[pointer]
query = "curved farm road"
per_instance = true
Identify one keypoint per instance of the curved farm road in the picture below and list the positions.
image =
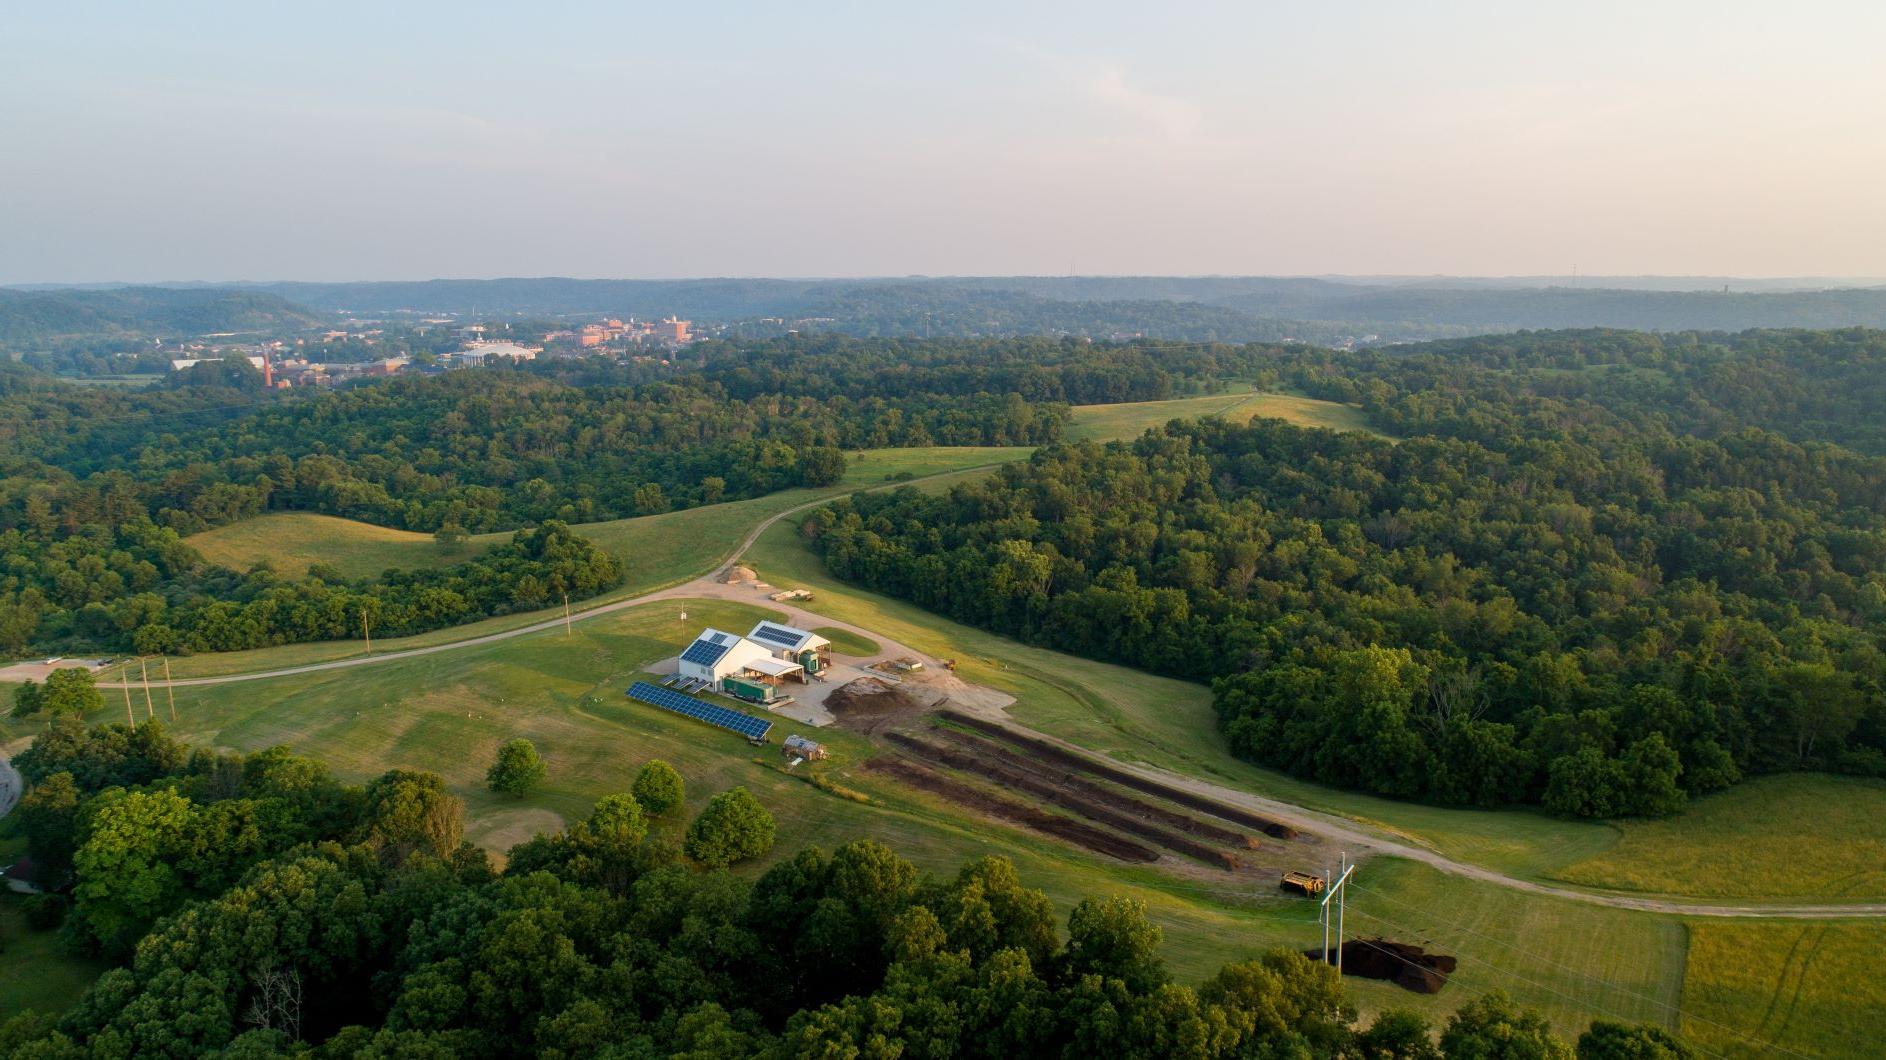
(1358, 838)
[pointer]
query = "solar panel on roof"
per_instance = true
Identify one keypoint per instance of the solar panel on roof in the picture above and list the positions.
(668, 699)
(704, 652)
(780, 636)
(717, 638)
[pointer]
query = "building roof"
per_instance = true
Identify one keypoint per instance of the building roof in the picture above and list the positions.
(778, 637)
(709, 647)
(772, 667)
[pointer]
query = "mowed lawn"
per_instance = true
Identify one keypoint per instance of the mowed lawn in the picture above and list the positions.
(1809, 989)
(1130, 419)
(1800, 835)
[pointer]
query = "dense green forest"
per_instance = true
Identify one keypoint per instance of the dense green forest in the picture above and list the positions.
(256, 907)
(1598, 597)
(98, 486)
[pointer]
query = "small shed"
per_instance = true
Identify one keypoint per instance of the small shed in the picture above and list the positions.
(797, 746)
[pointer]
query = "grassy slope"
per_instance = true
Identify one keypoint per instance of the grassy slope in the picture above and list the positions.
(845, 642)
(1798, 835)
(291, 542)
(1128, 420)
(1812, 989)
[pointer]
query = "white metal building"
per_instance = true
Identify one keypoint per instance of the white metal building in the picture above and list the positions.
(716, 655)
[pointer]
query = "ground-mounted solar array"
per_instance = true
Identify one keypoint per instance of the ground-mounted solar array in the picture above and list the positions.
(668, 699)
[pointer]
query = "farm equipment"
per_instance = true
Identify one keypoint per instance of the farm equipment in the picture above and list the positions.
(1303, 883)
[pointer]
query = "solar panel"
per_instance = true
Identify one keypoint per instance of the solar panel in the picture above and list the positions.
(704, 652)
(668, 699)
(782, 637)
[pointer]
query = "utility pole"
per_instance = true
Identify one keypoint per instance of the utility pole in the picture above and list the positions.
(150, 711)
(125, 684)
(566, 614)
(364, 631)
(170, 691)
(1340, 893)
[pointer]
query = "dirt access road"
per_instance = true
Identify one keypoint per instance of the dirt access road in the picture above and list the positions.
(1360, 840)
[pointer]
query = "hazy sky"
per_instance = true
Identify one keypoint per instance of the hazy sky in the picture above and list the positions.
(259, 141)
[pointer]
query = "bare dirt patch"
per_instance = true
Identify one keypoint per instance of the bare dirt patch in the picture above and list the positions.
(1053, 752)
(989, 803)
(871, 704)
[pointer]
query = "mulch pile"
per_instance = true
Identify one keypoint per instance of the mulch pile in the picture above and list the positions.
(1409, 967)
(868, 704)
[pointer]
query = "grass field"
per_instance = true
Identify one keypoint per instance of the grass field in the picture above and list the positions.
(845, 642)
(35, 972)
(1800, 835)
(1129, 420)
(291, 542)
(1758, 989)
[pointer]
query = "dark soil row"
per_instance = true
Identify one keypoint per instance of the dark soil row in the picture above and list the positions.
(1099, 793)
(1407, 966)
(1065, 828)
(1045, 749)
(1017, 780)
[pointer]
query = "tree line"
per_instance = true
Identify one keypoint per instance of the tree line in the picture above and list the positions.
(1527, 601)
(255, 907)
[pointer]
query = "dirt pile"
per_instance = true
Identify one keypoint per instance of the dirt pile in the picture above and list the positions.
(1407, 966)
(736, 574)
(988, 802)
(868, 704)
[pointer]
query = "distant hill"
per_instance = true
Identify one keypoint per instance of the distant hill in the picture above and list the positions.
(35, 317)
(1329, 310)
(1566, 307)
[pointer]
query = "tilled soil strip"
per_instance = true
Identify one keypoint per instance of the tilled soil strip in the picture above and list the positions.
(1050, 792)
(1276, 829)
(1060, 774)
(1064, 828)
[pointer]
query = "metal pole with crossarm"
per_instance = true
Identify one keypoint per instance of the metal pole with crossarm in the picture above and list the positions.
(1339, 894)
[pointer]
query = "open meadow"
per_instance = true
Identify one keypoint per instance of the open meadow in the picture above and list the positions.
(1130, 419)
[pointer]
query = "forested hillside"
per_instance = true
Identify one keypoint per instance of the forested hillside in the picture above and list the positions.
(1565, 599)
(257, 907)
(30, 319)
(98, 487)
